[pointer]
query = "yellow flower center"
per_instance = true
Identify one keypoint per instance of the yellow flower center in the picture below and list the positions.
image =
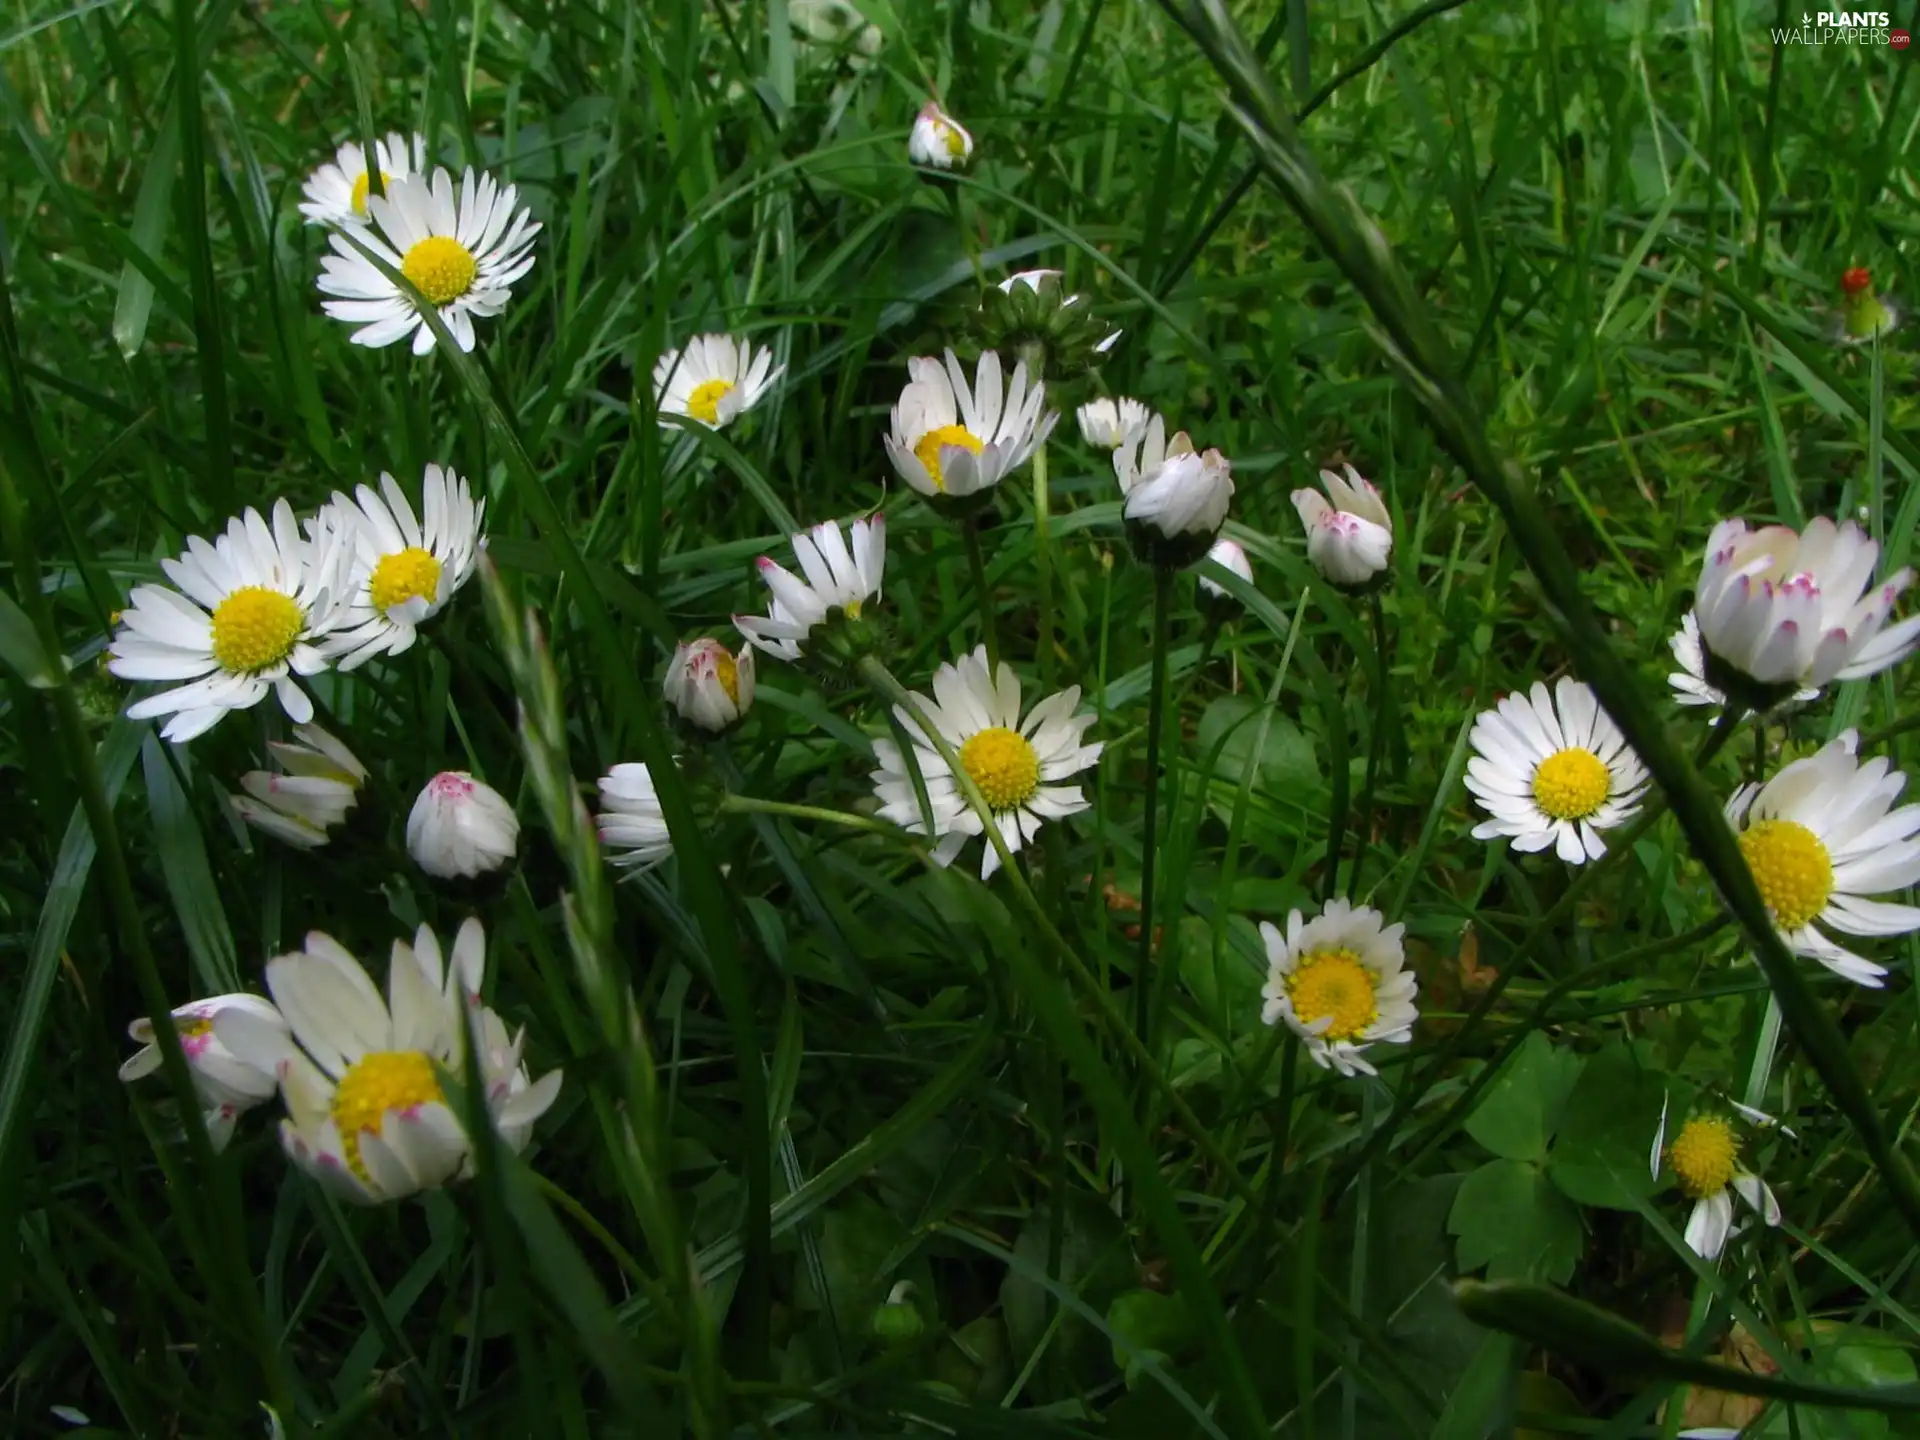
(727, 671)
(1791, 867)
(1703, 1155)
(1333, 984)
(1571, 784)
(955, 142)
(192, 1029)
(704, 402)
(409, 574)
(1003, 765)
(929, 449)
(441, 268)
(253, 628)
(375, 1085)
(363, 185)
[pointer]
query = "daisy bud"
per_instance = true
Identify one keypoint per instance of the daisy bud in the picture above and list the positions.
(1175, 498)
(939, 140)
(461, 827)
(318, 784)
(1229, 555)
(1350, 540)
(226, 1084)
(709, 688)
(1863, 315)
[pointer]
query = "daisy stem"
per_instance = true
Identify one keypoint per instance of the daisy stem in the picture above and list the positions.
(753, 805)
(1043, 565)
(977, 565)
(1156, 721)
(1363, 815)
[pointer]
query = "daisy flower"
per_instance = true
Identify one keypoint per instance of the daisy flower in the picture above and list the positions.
(1821, 838)
(843, 573)
(405, 569)
(708, 687)
(1705, 1158)
(633, 828)
(337, 192)
(715, 379)
(461, 827)
(318, 784)
(1171, 492)
(1015, 764)
(1339, 982)
(949, 440)
(939, 140)
(226, 1084)
(248, 614)
(462, 251)
(366, 1114)
(1689, 682)
(1043, 282)
(1797, 610)
(1553, 772)
(1350, 540)
(1109, 424)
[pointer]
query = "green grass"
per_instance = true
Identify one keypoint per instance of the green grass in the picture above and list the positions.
(805, 1066)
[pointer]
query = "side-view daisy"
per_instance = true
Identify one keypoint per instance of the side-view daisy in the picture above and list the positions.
(227, 1085)
(405, 569)
(1705, 1158)
(937, 139)
(714, 379)
(1041, 281)
(365, 1112)
(1340, 982)
(1553, 771)
(1109, 424)
(949, 439)
(707, 686)
(1171, 491)
(337, 192)
(633, 828)
(1015, 764)
(1689, 682)
(462, 251)
(317, 786)
(842, 574)
(1821, 837)
(249, 614)
(1350, 539)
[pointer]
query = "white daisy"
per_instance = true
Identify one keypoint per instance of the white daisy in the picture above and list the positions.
(366, 1114)
(1822, 837)
(1705, 1157)
(708, 687)
(1689, 682)
(715, 379)
(843, 573)
(1229, 555)
(1109, 424)
(1339, 982)
(248, 615)
(1799, 610)
(1038, 282)
(1170, 489)
(939, 140)
(633, 828)
(461, 827)
(226, 1084)
(1350, 540)
(405, 570)
(318, 784)
(1015, 764)
(1553, 772)
(462, 251)
(337, 192)
(947, 439)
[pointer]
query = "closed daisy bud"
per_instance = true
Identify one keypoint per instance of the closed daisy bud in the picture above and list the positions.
(461, 827)
(227, 1084)
(1705, 1158)
(1350, 540)
(318, 784)
(939, 140)
(1175, 499)
(1339, 982)
(708, 687)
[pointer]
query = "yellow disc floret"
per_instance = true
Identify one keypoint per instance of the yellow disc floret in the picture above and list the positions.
(955, 142)
(727, 671)
(441, 268)
(929, 449)
(378, 1083)
(254, 628)
(365, 184)
(1704, 1155)
(1791, 867)
(409, 574)
(1003, 765)
(704, 403)
(1571, 784)
(1334, 985)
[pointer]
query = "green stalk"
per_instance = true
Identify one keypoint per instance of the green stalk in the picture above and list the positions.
(1149, 834)
(1363, 817)
(754, 805)
(1043, 562)
(977, 567)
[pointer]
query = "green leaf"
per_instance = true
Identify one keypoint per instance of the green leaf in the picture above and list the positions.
(1150, 1320)
(183, 859)
(1606, 1130)
(1284, 761)
(21, 650)
(1516, 1120)
(1512, 1221)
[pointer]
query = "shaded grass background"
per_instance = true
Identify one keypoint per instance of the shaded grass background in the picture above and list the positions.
(1628, 218)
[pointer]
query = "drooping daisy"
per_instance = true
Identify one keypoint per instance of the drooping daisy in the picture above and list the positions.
(366, 1114)
(460, 827)
(227, 1085)
(1339, 982)
(951, 440)
(318, 784)
(633, 828)
(1553, 772)
(708, 687)
(1350, 540)
(1109, 424)
(1689, 682)
(715, 379)
(462, 251)
(337, 192)
(1045, 282)
(250, 613)
(939, 140)
(1174, 497)
(1016, 765)
(843, 573)
(1791, 611)
(1705, 1157)
(405, 570)
(1822, 837)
